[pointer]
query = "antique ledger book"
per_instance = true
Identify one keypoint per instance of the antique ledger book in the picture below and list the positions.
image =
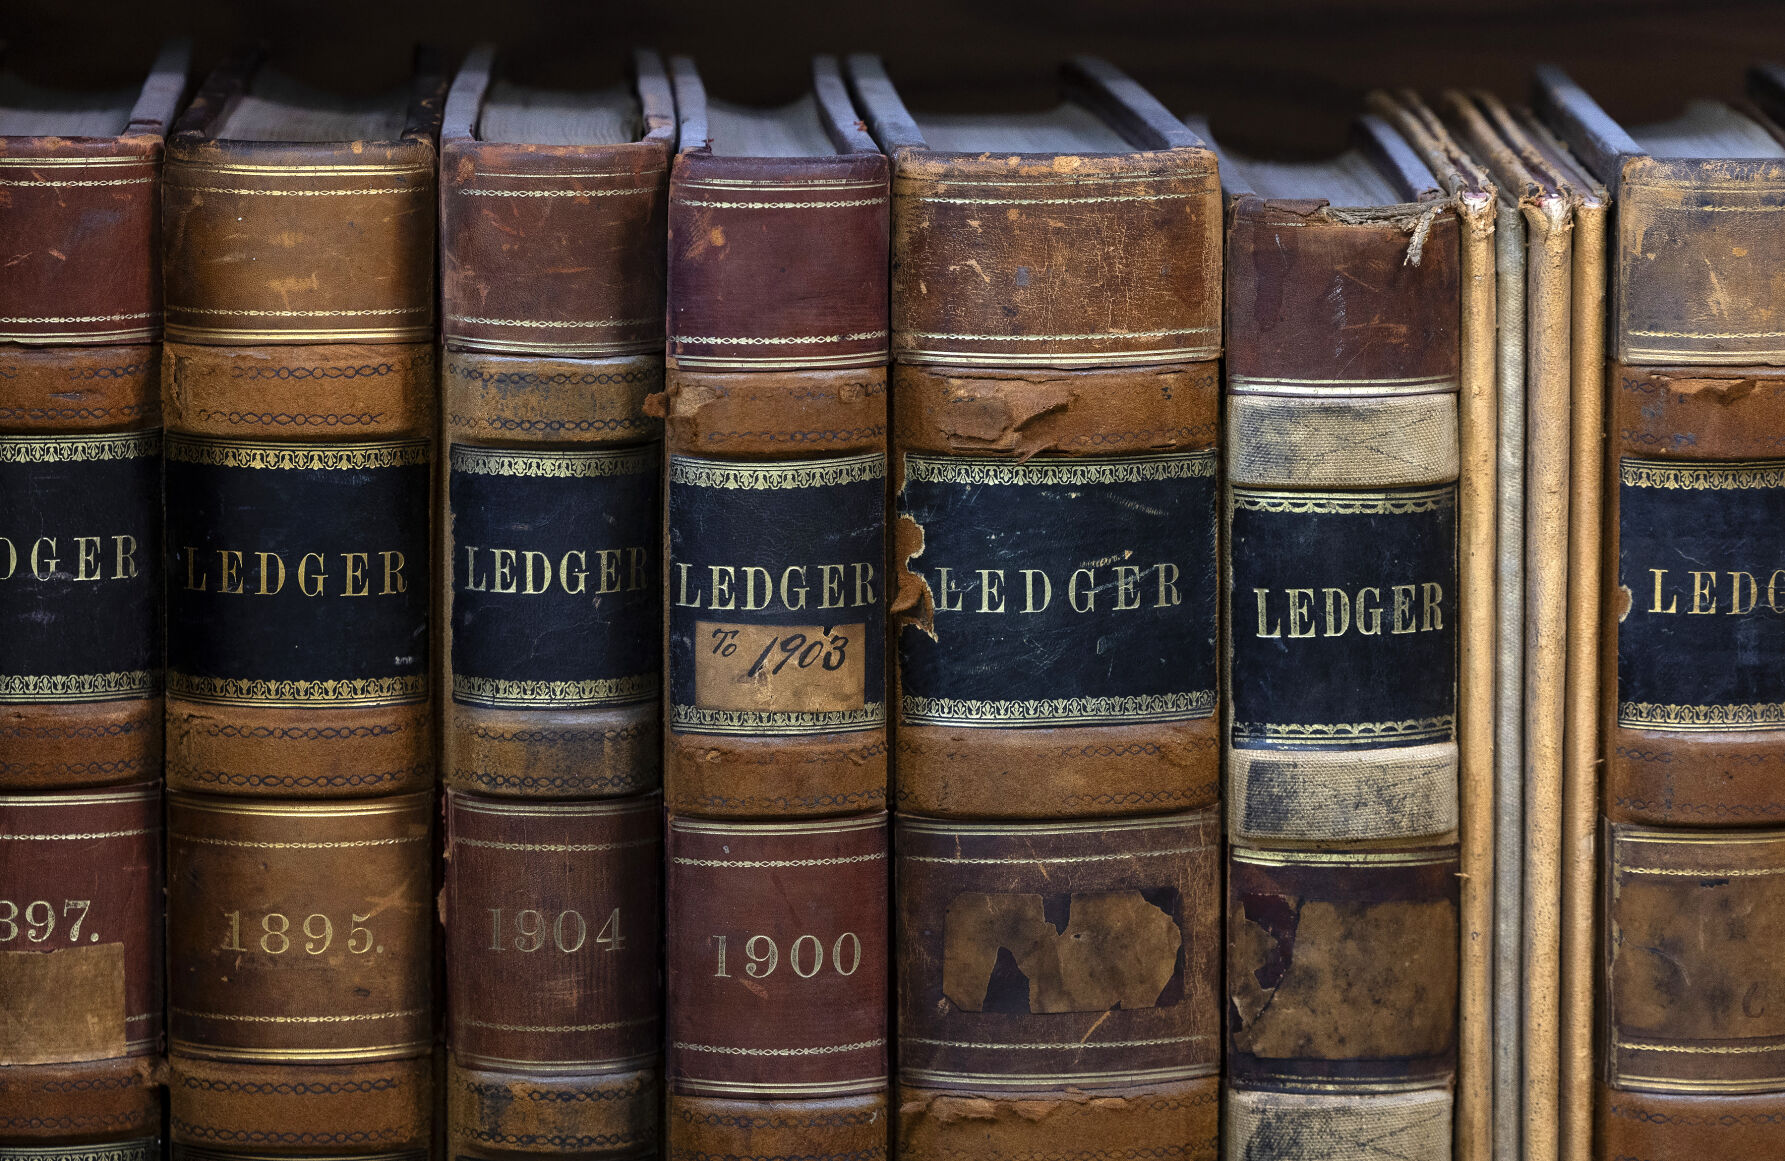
(1693, 696)
(1343, 459)
(297, 386)
(552, 229)
(1055, 330)
(775, 746)
(776, 416)
(1564, 211)
(81, 988)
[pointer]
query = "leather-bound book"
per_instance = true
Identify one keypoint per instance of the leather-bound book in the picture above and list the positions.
(80, 440)
(775, 770)
(1056, 321)
(1056, 324)
(1693, 697)
(298, 387)
(81, 963)
(1343, 459)
(552, 223)
(552, 234)
(776, 411)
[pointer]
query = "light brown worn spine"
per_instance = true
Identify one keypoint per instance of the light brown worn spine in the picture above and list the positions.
(1548, 479)
(1580, 775)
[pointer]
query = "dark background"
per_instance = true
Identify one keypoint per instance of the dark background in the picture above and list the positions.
(1273, 73)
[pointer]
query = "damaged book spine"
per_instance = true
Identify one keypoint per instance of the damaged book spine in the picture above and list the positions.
(298, 387)
(552, 297)
(1054, 474)
(775, 764)
(1342, 470)
(81, 948)
(1692, 696)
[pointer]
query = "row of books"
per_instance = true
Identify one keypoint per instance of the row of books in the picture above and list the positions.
(1027, 636)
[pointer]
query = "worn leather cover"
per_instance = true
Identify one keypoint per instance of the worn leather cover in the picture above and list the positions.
(300, 941)
(80, 966)
(564, 895)
(1058, 986)
(299, 242)
(1345, 331)
(344, 433)
(80, 655)
(553, 299)
(553, 249)
(80, 225)
(775, 411)
(1053, 465)
(1691, 712)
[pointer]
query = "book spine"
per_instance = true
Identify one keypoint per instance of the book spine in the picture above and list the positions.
(1693, 703)
(299, 394)
(1058, 986)
(567, 893)
(1055, 481)
(776, 427)
(81, 970)
(81, 232)
(1342, 468)
(80, 650)
(80, 567)
(299, 939)
(552, 318)
(775, 411)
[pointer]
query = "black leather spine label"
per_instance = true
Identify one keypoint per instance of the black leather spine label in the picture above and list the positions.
(1342, 618)
(80, 579)
(297, 573)
(777, 598)
(1701, 570)
(555, 578)
(1065, 591)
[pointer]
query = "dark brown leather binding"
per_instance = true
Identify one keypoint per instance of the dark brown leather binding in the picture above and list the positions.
(81, 960)
(81, 968)
(1343, 369)
(553, 299)
(552, 236)
(1020, 383)
(563, 896)
(776, 425)
(298, 389)
(792, 917)
(1691, 701)
(300, 938)
(80, 314)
